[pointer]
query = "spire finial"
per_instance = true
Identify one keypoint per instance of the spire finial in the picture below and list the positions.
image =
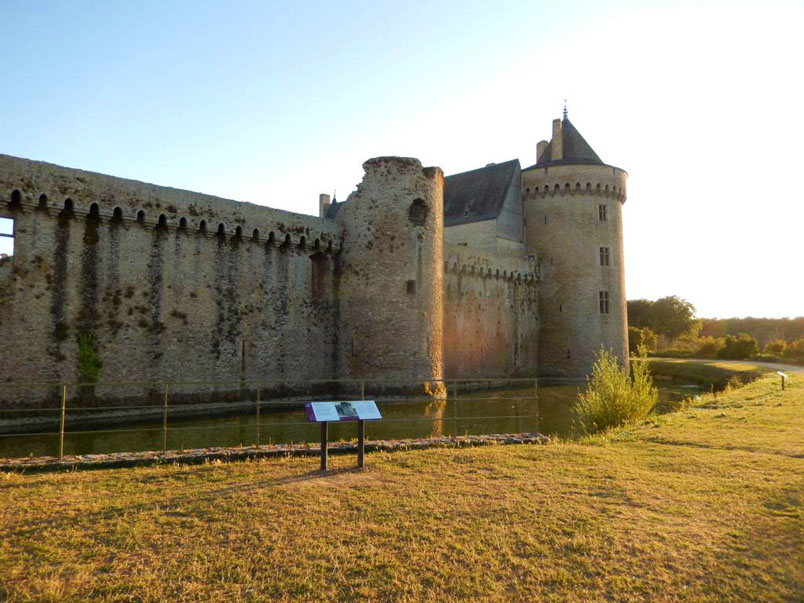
(565, 108)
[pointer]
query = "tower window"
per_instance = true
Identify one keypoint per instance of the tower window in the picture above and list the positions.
(6, 239)
(603, 213)
(603, 297)
(604, 256)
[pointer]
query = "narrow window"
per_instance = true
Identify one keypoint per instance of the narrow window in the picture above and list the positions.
(417, 212)
(183, 223)
(255, 236)
(602, 213)
(94, 212)
(202, 227)
(239, 233)
(117, 215)
(141, 217)
(161, 224)
(411, 286)
(67, 212)
(271, 238)
(302, 243)
(545, 218)
(604, 256)
(221, 231)
(42, 203)
(16, 199)
(6, 241)
(603, 297)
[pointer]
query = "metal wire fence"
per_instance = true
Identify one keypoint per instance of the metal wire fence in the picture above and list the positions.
(42, 418)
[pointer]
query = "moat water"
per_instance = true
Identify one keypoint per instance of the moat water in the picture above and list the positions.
(498, 411)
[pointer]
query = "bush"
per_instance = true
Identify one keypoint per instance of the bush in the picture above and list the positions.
(641, 338)
(613, 397)
(775, 347)
(795, 349)
(709, 346)
(738, 347)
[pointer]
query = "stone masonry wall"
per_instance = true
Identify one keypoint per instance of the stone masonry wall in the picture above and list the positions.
(391, 294)
(171, 296)
(565, 229)
(491, 318)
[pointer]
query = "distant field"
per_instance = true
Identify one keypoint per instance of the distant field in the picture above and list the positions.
(704, 504)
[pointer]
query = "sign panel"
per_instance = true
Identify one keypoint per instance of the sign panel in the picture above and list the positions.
(367, 410)
(319, 412)
(356, 410)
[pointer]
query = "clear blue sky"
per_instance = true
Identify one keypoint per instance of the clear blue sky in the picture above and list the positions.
(273, 103)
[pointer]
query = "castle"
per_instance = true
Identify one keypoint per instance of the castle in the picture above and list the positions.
(499, 271)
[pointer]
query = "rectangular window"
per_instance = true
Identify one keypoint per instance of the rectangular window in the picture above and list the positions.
(602, 213)
(6, 239)
(604, 256)
(604, 302)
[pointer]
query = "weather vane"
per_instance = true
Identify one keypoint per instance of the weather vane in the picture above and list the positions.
(565, 108)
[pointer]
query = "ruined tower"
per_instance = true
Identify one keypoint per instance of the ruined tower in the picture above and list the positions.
(572, 202)
(391, 275)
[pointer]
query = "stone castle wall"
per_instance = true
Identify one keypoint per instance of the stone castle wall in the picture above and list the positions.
(562, 209)
(167, 297)
(391, 292)
(491, 318)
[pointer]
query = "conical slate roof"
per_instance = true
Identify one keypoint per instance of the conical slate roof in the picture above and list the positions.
(576, 149)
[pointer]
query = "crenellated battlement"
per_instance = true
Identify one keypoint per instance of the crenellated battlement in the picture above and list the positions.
(459, 259)
(27, 185)
(565, 188)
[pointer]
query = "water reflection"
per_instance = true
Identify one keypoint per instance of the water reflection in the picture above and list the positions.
(484, 412)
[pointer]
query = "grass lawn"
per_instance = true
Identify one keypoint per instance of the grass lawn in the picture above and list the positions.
(703, 504)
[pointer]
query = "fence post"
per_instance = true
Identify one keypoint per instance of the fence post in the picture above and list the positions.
(536, 397)
(455, 409)
(164, 418)
(259, 389)
(61, 422)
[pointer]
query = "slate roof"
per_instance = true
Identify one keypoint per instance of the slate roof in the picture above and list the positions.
(576, 149)
(478, 194)
(333, 209)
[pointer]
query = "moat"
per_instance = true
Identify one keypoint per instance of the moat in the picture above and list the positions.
(498, 411)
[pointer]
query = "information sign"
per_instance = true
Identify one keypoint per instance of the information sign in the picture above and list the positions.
(319, 412)
(330, 412)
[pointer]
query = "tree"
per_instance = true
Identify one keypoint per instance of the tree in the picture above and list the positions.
(738, 347)
(671, 316)
(775, 347)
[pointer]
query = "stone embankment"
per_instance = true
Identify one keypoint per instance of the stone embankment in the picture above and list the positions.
(241, 453)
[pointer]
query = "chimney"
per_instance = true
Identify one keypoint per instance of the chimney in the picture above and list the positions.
(323, 205)
(540, 147)
(557, 144)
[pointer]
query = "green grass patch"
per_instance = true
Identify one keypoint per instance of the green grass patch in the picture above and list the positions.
(706, 504)
(711, 375)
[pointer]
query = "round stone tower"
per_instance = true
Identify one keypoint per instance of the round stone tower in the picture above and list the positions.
(573, 211)
(391, 274)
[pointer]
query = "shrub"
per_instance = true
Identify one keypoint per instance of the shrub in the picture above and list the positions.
(709, 346)
(641, 338)
(775, 347)
(795, 349)
(614, 397)
(738, 347)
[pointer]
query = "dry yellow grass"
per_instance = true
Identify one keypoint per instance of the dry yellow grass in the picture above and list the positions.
(704, 504)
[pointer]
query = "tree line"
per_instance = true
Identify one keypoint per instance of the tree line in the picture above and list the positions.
(669, 326)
